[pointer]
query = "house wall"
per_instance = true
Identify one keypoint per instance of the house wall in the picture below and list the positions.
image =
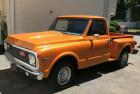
(113, 7)
(0, 20)
(36, 15)
(0, 5)
(5, 12)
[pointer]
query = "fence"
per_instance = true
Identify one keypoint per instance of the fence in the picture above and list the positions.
(131, 24)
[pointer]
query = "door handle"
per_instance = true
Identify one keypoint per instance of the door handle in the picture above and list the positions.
(91, 41)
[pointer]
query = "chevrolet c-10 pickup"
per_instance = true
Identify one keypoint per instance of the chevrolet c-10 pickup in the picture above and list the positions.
(71, 43)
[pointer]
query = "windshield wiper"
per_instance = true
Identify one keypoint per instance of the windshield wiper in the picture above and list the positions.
(64, 32)
(70, 33)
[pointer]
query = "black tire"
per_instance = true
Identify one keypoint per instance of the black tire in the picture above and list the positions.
(53, 79)
(123, 59)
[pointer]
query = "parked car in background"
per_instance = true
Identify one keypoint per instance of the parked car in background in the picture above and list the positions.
(123, 29)
(115, 26)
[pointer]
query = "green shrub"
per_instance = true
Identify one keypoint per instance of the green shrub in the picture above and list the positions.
(115, 24)
(112, 29)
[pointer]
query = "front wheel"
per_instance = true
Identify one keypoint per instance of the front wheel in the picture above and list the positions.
(123, 59)
(62, 76)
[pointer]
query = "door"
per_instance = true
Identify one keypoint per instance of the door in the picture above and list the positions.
(100, 42)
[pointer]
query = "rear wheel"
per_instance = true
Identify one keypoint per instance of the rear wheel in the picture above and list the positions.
(123, 59)
(62, 75)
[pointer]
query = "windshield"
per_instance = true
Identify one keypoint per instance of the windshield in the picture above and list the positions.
(70, 26)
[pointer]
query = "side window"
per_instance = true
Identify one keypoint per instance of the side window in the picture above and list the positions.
(97, 27)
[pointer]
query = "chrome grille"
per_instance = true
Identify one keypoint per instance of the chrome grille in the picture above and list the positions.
(15, 52)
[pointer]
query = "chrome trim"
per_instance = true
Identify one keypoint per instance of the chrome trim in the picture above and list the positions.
(33, 73)
(26, 65)
(37, 75)
(134, 51)
(16, 61)
(24, 49)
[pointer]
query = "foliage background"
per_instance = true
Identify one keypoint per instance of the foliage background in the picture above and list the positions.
(124, 5)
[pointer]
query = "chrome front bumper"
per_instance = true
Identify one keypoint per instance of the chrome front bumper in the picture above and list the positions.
(134, 51)
(28, 69)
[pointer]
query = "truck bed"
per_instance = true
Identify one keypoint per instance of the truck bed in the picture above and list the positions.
(119, 35)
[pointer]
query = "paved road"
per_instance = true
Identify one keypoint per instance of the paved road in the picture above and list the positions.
(102, 79)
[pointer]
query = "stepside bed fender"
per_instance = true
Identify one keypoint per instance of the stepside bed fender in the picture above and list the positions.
(124, 46)
(118, 46)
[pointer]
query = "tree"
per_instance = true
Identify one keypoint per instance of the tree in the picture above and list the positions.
(135, 7)
(135, 15)
(124, 5)
(121, 10)
(132, 3)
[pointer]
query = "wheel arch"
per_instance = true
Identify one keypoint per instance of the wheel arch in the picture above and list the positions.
(64, 56)
(125, 47)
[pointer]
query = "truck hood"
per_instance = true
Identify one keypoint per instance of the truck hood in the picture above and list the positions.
(32, 40)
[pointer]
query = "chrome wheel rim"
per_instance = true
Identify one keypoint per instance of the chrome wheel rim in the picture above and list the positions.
(124, 59)
(64, 75)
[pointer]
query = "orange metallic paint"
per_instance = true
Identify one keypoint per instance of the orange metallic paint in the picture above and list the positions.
(87, 50)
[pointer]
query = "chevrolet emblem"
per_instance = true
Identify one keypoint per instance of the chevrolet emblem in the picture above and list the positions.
(22, 53)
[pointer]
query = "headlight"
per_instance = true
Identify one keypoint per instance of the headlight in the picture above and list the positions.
(32, 60)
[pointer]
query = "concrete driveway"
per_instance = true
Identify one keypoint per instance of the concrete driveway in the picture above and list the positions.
(102, 79)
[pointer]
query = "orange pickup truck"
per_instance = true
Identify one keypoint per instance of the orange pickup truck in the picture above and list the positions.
(71, 43)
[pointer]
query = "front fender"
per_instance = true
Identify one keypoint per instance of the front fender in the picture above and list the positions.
(58, 57)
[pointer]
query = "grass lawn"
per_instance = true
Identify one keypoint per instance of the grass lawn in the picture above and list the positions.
(134, 30)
